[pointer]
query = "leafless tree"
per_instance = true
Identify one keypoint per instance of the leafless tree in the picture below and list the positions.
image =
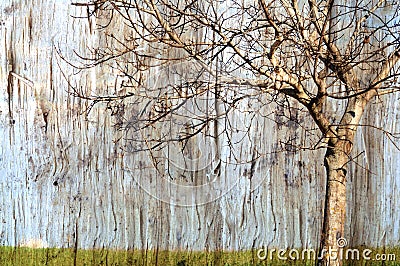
(303, 55)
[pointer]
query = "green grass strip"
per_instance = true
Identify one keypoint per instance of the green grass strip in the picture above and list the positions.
(64, 256)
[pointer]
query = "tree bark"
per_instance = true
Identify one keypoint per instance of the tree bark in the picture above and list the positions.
(335, 204)
(336, 160)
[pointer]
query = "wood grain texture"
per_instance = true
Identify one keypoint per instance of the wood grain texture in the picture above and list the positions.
(66, 182)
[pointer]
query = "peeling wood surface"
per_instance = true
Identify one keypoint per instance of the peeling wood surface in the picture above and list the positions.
(66, 182)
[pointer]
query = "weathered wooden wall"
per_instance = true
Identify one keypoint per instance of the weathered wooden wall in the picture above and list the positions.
(65, 181)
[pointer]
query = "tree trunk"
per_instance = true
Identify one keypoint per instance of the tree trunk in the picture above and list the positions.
(332, 242)
(336, 160)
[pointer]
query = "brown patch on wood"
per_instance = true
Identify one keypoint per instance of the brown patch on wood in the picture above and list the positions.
(348, 146)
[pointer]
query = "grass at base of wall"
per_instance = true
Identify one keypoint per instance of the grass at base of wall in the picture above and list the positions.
(63, 256)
